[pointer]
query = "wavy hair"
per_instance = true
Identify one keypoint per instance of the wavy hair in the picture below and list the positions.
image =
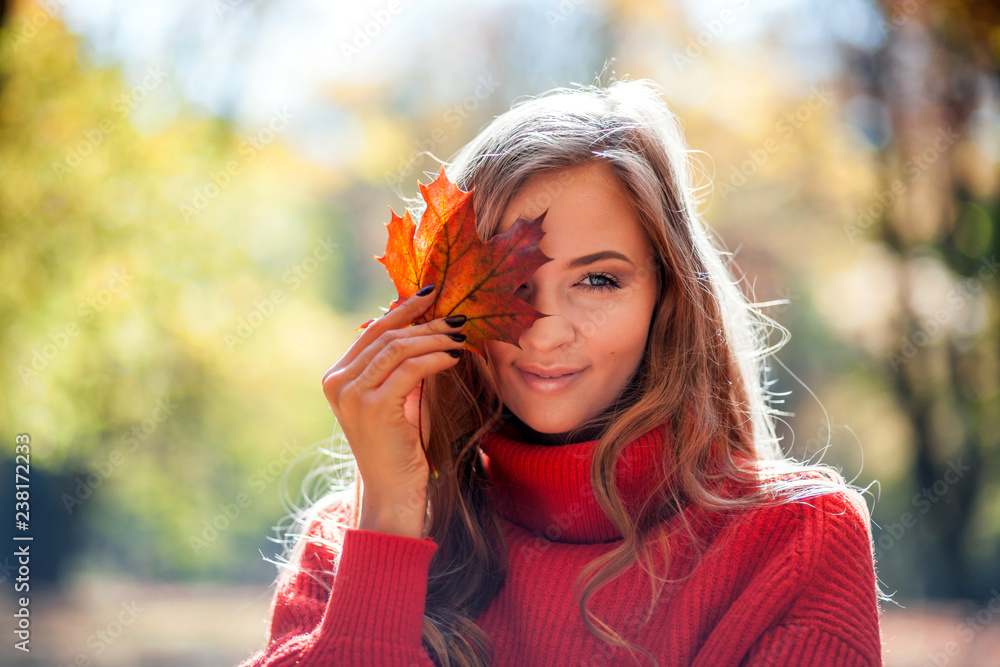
(702, 373)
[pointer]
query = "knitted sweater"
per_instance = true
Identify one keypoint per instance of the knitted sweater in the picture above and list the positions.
(787, 584)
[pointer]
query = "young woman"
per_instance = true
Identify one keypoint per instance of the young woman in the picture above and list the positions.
(610, 492)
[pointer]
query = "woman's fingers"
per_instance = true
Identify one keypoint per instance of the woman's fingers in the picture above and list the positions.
(374, 364)
(410, 372)
(392, 350)
(398, 317)
(378, 360)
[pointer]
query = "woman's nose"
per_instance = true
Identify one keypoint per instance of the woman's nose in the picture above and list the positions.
(548, 333)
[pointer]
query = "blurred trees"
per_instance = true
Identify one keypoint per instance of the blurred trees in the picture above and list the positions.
(937, 212)
(147, 253)
(868, 197)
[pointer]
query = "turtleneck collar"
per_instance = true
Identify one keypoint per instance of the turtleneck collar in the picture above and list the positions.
(546, 488)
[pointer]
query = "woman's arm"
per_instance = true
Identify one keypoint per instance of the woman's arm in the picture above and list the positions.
(835, 619)
(374, 615)
(790, 644)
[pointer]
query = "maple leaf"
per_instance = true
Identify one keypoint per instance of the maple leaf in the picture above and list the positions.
(473, 278)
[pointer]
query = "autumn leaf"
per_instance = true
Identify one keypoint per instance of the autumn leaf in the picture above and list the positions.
(474, 278)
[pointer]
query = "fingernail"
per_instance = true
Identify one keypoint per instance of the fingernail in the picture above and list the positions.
(458, 338)
(454, 353)
(426, 290)
(455, 320)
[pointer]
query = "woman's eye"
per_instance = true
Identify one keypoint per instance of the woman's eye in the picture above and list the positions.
(599, 281)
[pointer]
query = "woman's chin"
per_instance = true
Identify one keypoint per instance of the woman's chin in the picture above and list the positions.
(548, 425)
(548, 430)
(558, 428)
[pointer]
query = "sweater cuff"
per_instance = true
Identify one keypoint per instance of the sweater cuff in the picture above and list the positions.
(380, 587)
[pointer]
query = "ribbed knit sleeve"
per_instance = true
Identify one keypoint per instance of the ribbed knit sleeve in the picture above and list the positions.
(834, 619)
(372, 616)
(790, 644)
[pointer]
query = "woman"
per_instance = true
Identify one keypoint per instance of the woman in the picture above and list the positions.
(610, 491)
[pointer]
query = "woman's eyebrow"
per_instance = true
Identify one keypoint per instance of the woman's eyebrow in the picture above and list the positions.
(596, 257)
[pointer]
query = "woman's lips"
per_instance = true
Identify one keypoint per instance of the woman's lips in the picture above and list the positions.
(549, 382)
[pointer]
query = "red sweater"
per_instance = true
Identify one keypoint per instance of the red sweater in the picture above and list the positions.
(791, 584)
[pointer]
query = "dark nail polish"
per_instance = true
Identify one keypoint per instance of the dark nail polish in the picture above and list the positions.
(426, 290)
(458, 338)
(454, 353)
(455, 320)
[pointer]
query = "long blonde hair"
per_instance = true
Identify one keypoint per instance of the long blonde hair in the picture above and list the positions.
(702, 371)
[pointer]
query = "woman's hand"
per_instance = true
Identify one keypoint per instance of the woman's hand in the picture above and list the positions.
(374, 391)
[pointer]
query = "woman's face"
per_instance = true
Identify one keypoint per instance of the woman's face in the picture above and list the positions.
(598, 292)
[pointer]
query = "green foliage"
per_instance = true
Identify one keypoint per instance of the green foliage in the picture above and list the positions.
(160, 354)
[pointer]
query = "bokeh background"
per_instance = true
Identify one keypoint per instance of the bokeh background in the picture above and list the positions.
(191, 194)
